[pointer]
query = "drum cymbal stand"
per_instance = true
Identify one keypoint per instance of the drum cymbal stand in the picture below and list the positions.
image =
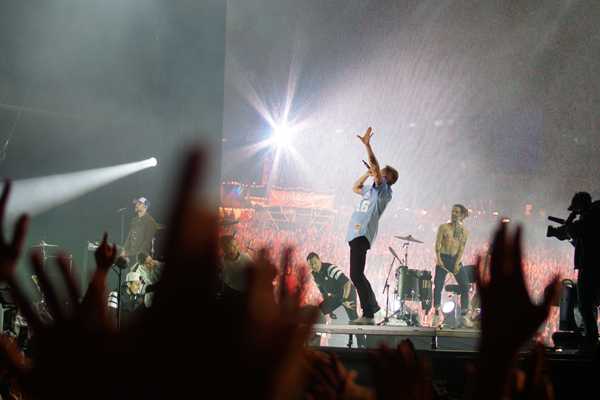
(405, 247)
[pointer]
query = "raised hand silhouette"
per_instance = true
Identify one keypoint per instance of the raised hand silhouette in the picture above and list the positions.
(509, 317)
(10, 250)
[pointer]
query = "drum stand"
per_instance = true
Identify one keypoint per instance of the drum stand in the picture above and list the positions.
(402, 314)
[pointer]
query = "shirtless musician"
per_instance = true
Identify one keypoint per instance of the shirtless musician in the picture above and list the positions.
(449, 247)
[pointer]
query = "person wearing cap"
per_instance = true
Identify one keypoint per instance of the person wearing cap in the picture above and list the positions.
(142, 228)
(131, 297)
(134, 283)
(150, 271)
(584, 233)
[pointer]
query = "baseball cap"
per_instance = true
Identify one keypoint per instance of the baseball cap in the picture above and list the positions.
(142, 200)
(132, 277)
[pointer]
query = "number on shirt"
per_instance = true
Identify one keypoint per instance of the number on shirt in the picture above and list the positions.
(364, 206)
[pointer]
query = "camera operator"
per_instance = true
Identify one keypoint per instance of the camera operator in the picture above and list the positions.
(582, 227)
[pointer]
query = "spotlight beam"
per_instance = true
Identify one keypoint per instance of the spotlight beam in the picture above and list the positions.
(37, 195)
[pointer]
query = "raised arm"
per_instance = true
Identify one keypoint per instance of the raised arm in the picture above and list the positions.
(375, 169)
(358, 185)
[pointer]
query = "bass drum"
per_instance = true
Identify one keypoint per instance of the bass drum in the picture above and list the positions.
(425, 290)
(408, 284)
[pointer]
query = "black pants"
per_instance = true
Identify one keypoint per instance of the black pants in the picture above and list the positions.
(588, 296)
(358, 258)
(440, 278)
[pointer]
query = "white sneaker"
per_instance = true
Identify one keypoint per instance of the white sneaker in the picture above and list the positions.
(363, 321)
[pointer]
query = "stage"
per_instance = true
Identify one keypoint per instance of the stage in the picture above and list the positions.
(424, 338)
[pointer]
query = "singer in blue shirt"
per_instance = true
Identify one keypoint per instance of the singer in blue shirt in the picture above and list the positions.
(364, 224)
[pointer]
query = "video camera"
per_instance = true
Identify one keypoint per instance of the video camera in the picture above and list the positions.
(581, 201)
(560, 232)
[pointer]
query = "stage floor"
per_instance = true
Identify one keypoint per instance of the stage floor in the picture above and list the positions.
(424, 338)
(394, 330)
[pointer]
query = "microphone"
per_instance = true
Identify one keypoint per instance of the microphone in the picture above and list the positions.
(120, 210)
(366, 165)
(394, 253)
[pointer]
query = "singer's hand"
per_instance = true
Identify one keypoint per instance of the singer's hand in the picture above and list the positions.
(105, 254)
(366, 137)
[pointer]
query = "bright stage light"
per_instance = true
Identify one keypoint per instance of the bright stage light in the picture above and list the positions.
(36, 195)
(282, 136)
(149, 162)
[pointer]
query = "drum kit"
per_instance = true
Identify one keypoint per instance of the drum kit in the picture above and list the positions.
(411, 285)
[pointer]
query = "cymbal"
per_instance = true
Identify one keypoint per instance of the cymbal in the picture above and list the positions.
(44, 244)
(408, 238)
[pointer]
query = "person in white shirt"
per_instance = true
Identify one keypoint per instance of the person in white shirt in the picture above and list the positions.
(234, 266)
(149, 271)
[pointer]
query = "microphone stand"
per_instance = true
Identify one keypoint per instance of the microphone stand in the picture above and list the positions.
(386, 289)
(119, 275)
(118, 267)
